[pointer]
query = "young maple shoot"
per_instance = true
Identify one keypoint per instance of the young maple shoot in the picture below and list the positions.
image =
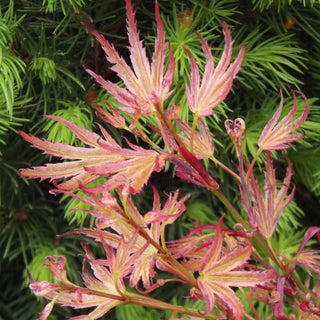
(211, 260)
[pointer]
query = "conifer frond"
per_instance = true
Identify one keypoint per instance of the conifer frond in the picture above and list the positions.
(266, 4)
(54, 5)
(307, 169)
(78, 113)
(11, 70)
(180, 34)
(270, 62)
(212, 12)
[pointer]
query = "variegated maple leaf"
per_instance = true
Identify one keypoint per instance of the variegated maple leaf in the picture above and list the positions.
(309, 259)
(123, 218)
(265, 207)
(216, 82)
(276, 136)
(132, 167)
(222, 270)
(102, 290)
(199, 144)
(104, 286)
(147, 84)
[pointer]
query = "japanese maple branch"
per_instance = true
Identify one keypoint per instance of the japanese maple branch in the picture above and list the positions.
(149, 302)
(137, 299)
(189, 278)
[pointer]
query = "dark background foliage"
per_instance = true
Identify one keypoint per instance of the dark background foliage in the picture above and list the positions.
(43, 46)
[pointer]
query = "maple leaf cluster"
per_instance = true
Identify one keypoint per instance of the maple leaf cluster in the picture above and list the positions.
(214, 262)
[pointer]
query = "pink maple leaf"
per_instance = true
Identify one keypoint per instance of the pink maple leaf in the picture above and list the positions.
(100, 292)
(124, 219)
(105, 158)
(114, 118)
(147, 84)
(216, 82)
(125, 223)
(222, 270)
(46, 311)
(265, 207)
(199, 144)
(104, 286)
(309, 259)
(276, 136)
(172, 209)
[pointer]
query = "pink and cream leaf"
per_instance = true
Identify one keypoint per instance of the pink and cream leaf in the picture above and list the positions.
(310, 259)
(276, 135)
(216, 82)
(265, 207)
(223, 270)
(105, 158)
(147, 85)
